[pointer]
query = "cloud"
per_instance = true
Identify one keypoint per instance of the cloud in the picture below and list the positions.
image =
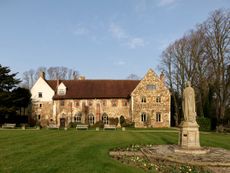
(120, 63)
(80, 30)
(124, 38)
(164, 3)
(135, 42)
(117, 31)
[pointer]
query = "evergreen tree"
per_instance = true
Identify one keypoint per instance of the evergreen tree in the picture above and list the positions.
(11, 97)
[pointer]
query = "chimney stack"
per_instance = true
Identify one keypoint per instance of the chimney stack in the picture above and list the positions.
(42, 75)
(162, 76)
(58, 82)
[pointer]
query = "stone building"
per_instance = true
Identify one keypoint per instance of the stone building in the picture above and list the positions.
(144, 102)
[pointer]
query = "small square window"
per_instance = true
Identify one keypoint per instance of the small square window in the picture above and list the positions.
(151, 87)
(39, 94)
(40, 105)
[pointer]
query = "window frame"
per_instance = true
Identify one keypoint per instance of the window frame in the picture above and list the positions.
(40, 95)
(143, 99)
(91, 119)
(61, 92)
(151, 87)
(158, 117)
(143, 117)
(158, 99)
(105, 119)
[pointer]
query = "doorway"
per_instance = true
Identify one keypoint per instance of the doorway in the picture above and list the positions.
(62, 122)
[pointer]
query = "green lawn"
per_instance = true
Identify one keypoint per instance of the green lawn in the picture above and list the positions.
(62, 151)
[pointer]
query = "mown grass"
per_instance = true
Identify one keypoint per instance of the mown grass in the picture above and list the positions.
(60, 151)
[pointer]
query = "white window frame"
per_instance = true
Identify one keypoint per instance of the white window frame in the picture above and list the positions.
(158, 117)
(143, 117)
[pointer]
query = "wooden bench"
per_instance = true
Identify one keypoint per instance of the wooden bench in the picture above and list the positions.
(8, 126)
(82, 126)
(110, 127)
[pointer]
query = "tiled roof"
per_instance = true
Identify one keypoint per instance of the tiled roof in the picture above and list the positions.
(92, 89)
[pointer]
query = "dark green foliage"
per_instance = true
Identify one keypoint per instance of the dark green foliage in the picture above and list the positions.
(7, 81)
(99, 124)
(126, 123)
(12, 99)
(204, 123)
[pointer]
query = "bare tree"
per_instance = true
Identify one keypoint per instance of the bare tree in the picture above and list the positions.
(218, 50)
(133, 77)
(201, 56)
(53, 73)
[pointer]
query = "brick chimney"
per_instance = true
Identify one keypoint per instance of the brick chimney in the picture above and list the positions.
(58, 82)
(42, 75)
(162, 76)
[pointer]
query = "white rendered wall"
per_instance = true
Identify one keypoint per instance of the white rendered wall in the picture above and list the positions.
(44, 88)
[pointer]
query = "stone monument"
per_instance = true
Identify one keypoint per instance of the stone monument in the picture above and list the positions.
(189, 136)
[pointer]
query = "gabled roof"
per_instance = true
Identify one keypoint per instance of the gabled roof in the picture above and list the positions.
(92, 89)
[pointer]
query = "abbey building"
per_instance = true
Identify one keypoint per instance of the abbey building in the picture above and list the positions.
(146, 102)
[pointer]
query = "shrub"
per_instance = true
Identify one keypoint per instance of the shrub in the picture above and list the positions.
(72, 124)
(99, 124)
(204, 123)
(113, 121)
(126, 123)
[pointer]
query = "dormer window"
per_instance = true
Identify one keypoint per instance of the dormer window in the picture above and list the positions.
(61, 92)
(61, 89)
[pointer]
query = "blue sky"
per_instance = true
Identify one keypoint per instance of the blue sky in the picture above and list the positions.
(102, 39)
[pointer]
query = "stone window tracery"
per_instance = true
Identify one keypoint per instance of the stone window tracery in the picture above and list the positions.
(91, 119)
(105, 119)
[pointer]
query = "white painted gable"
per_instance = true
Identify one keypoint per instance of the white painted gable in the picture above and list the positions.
(44, 89)
(61, 89)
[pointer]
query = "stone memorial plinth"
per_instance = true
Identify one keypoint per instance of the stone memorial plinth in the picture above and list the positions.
(189, 137)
